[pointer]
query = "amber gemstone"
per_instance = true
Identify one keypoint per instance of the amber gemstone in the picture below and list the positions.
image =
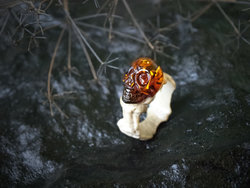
(143, 79)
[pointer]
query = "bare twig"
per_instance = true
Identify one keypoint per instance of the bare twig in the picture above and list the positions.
(29, 45)
(201, 12)
(5, 21)
(95, 16)
(49, 4)
(226, 1)
(114, 32)
(60, 110)
(245, 40)
(102, 68)
(227, 17)
(103, 6)
(84, 2)
(58, 95)
(137, 24)
(97, 4)
(78, 33)
(111, 19)
(49, 94)
(88, 58)
(81, 39)
(245, 9)
(47, 28)
(41, 3)
(66, 5)
(69, 53)
(229, 1)
(193, 18)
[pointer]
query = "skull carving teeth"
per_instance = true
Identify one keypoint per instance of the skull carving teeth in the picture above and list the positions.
(143, 79)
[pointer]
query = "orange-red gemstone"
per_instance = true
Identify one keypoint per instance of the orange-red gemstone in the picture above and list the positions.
(143, 79)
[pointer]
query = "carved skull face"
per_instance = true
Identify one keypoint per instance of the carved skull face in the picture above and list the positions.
(143, 79)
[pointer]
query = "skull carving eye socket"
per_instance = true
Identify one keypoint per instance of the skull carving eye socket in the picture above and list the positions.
(129, 78)
(143, 78)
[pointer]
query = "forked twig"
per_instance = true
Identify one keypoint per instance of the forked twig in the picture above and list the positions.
(81, 39)
(78, 32)
(83, 42)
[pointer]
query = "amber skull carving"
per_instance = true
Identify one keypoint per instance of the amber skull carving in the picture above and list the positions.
(143, 79)
(146, 89)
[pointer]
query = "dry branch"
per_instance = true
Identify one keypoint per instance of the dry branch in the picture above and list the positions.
(194, 17)
(227, 17)
(137, 24)
(49, 94)
(114, 32)
(111, 19)
(88, 58)
(69, 52)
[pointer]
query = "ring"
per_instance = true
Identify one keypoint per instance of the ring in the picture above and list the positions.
(146, 89)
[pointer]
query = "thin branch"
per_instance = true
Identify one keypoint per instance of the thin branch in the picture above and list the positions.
(95, 16)
(49, 4)
(228, 1)
(39, 24)
(66, 5)
(102, 67)
(111, 19)
(89, 60)
(225, 1)
(50, 70)
(227, 17)
(84, 2)
(245, 40)
(137, 24)
(81, 39)
(58, 95)
(29, 45)
(194, 17)
(5, 22)
(78, 32)
(114, 32)
(97, 4)
(41, 3)
(201, 12)
(103, 6)
(69, 53)
(47, 28)
(60, 110)
(87, 56)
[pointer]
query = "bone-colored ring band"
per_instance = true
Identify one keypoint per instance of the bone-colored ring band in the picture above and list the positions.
(158, 110)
